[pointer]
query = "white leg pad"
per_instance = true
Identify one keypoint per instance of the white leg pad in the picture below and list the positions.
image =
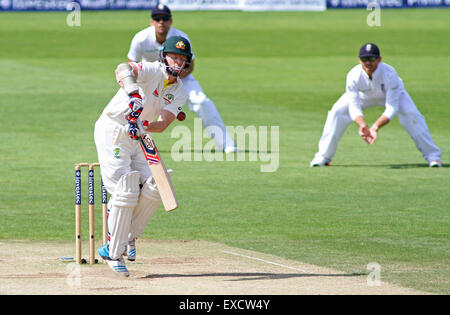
(149, 201)
(122, 203)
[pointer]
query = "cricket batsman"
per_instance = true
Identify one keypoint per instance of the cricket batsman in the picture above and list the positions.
(374, 83)
(145, 46)
(153, 89)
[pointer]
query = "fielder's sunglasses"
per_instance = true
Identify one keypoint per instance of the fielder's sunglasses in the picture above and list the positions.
(364, 59)
(157, 18)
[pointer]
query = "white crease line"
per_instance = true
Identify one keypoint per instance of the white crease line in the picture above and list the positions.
(265, 261)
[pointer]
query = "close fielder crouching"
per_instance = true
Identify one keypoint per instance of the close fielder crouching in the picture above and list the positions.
(374, 83)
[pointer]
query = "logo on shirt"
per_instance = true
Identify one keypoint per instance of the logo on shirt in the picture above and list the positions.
(168, 98)
(155, 93)
(116, 153)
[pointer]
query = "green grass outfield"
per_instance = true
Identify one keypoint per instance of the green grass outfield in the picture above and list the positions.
(378, 203)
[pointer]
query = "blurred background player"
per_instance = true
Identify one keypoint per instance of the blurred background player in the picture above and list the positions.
(123, 165)
(374, 83)
(145, 46)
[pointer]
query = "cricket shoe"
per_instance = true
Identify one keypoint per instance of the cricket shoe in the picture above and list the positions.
(435, 164)
(317, 162)
(131, 250)
(116, 265)
(119, 267)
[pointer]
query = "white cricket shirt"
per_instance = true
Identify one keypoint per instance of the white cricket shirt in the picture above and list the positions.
(156, 94)
(383, 90)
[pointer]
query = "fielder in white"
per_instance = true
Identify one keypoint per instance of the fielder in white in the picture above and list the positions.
(145, 46)
(374, 83)
(152, 89)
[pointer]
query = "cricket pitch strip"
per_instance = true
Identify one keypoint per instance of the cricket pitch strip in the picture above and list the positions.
(173, 268)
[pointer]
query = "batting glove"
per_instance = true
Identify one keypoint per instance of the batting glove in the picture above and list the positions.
(135, 130)
(135, 107)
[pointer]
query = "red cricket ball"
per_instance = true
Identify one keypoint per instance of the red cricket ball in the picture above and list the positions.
(181, 116)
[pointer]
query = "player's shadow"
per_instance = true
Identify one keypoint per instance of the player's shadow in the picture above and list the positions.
(249, 276)
(392, 166)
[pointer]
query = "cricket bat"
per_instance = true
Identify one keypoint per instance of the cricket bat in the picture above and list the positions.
(159, 172)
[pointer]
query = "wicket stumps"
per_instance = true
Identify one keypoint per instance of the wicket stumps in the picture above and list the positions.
(91, 202)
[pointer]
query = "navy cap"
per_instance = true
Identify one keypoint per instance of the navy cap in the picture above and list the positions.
(369, 50)
(161, 9)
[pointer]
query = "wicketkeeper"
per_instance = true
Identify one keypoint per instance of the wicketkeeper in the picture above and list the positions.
(152, 89)
(374, 83)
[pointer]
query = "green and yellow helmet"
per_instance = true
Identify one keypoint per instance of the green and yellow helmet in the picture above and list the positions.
(176, 45)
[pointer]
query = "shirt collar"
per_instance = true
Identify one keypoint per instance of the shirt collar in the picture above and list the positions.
(374, 75)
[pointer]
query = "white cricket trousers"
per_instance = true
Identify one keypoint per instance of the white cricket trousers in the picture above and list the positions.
(118, 154)
(123, 168)
(409, 117)
(205, 109)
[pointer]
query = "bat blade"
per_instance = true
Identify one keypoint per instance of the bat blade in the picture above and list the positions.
(159, 172)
